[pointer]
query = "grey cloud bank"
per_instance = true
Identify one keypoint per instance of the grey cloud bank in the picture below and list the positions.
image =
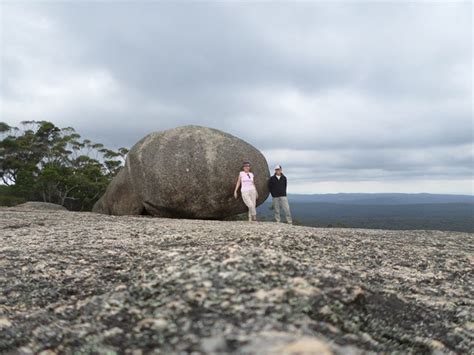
(351, 97)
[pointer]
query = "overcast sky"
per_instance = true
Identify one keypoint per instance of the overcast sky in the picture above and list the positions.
(346, 96)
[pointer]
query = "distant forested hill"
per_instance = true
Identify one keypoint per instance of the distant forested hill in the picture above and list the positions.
(382, 199)
(382, 211)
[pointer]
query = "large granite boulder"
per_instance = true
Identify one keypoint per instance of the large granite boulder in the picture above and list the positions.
(185, 172)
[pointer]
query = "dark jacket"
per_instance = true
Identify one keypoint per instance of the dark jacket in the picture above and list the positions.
(277, 186)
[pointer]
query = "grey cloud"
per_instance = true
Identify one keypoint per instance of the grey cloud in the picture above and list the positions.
(297, 76)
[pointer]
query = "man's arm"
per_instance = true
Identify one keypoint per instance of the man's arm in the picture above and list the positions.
(270, 184)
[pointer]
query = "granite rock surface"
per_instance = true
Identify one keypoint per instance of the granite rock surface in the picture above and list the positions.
(83, 282)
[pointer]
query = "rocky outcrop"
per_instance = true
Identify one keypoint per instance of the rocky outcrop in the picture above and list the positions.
(186, 172)
(86, 283)
(37, 205)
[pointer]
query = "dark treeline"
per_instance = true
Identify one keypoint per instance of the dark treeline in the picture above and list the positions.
(42, 162)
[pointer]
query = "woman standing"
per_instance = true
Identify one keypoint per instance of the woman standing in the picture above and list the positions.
(248, 190)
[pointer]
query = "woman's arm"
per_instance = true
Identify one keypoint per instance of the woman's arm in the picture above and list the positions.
(237, 185)
(255, 186)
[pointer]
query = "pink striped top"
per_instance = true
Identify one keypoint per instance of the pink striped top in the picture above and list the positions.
(246, 181)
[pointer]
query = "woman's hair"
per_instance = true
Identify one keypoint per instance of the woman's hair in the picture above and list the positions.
(246, 163)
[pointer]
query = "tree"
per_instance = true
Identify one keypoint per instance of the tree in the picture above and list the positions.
(40, 161)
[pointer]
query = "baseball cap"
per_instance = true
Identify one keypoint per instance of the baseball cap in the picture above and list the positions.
(278, 167)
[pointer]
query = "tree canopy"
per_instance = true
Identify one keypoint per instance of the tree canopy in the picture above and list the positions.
(42, 162)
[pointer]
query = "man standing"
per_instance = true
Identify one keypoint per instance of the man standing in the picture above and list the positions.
(277, 187)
